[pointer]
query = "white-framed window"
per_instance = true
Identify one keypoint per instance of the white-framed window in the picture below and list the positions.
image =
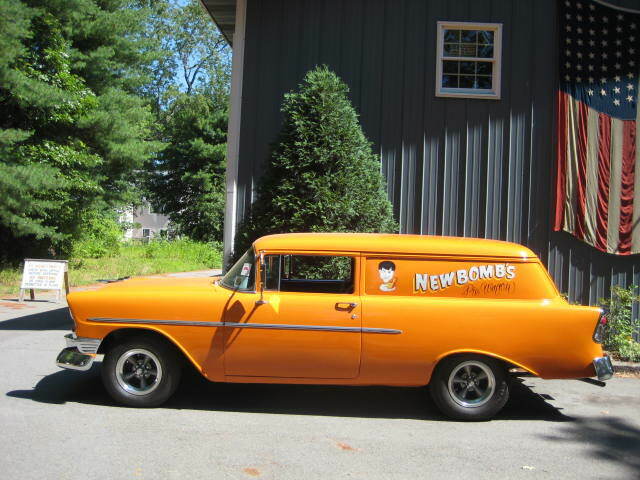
(468, 60)
(146, 232)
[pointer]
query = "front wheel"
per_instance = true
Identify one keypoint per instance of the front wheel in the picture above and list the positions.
(141, 372)
(470, 387)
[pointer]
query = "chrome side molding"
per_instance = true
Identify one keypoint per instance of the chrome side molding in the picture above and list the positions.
(325, 328)
(141, 321)
(266, 326)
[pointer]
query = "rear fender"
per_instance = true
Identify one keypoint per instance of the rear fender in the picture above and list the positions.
(504, 359)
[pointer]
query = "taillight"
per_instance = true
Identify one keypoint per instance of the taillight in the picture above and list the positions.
(598, 334)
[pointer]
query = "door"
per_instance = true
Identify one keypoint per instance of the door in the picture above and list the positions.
(307, 324)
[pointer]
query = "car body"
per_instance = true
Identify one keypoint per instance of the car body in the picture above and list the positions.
(345, 309)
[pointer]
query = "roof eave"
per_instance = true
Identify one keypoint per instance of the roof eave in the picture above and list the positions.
(223, 14)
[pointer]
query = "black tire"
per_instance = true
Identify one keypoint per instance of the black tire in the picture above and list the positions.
(470, 387)
(141, 372)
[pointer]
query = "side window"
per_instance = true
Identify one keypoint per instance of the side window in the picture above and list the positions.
(272, 264)
(310, 273)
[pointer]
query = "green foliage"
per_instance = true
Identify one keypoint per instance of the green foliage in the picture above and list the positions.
(196, 58)
(322, 175)
(319, 267)
(133, 259)
(201, 253)
(187, 180)
(190, 88)
(621, 326)
(101, 236)
(74, 129)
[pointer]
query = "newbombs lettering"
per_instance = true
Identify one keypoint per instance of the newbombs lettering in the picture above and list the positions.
(424, 282)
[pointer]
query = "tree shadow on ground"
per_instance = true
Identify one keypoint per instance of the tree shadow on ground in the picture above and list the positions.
(58, 319)
(608, 439)
(196, 393)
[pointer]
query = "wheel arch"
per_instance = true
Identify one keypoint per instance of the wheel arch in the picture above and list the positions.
(508, 362)
(120, 334)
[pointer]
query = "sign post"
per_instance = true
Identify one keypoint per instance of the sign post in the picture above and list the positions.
(44, 275)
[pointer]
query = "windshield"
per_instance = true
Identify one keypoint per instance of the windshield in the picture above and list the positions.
(242, 275)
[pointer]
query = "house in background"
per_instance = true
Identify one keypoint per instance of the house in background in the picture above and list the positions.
(147, 225)
(458, 98)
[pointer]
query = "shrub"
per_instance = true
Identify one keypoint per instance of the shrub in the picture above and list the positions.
(621, 325)
(101, 236)
(322, 175)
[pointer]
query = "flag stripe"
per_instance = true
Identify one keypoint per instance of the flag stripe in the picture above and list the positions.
(592, 178)
(604, 163)
(581, 179)
(613, 220)
(627, 184)
(571, 168)
(561, 153)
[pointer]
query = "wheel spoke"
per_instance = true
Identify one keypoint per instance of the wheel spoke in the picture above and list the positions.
(143, 382)
(467, 370)
(482, 375)
(127, 376)
(464, 392)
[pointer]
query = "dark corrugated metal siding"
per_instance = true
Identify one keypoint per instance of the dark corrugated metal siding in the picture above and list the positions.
(479, 168)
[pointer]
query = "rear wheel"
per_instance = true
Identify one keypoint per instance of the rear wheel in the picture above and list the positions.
(141, 372)
(470, 387)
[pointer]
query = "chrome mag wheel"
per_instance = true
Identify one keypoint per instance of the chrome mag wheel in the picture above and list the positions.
(471, 384)
(138, 371)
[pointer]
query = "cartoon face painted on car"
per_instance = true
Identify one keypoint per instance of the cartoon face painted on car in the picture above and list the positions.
(387, 272)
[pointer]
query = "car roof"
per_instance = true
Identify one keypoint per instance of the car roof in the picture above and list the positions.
(384, 243)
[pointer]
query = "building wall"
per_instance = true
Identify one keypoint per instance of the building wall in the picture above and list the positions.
(468, 167)
(143, 218)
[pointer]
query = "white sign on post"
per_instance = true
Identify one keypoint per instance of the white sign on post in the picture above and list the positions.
(44, 275)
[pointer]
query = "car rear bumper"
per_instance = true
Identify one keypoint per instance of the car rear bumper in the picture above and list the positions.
(79, 354)
(603, 367)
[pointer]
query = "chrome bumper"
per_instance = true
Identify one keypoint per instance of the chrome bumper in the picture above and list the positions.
(603, 367)
(79, 354)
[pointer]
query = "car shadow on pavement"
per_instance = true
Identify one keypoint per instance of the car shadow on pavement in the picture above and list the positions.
(57, 319)
(196, 393)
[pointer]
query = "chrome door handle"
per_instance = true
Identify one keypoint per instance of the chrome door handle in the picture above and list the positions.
(346, 305)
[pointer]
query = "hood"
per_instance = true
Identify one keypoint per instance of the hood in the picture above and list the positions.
(149, 297)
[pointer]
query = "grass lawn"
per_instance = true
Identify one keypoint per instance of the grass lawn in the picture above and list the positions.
(132, 260)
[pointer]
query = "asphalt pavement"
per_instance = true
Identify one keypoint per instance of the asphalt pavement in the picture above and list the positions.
(62, 424)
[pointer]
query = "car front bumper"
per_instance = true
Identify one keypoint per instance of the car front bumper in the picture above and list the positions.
(603, 368)
(79, 354)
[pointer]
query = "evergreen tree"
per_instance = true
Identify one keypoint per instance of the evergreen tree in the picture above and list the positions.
(188, 178)
(73, 128)
(322, 175)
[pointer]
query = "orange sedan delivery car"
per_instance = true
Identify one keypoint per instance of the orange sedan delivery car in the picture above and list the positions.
(344, 309)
